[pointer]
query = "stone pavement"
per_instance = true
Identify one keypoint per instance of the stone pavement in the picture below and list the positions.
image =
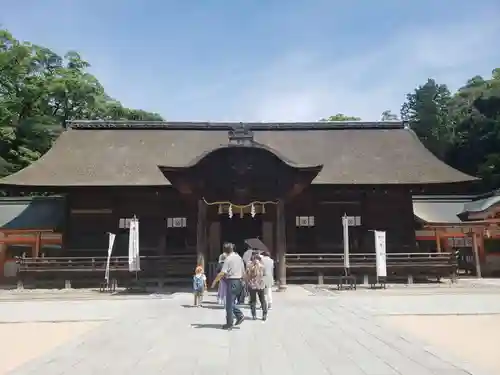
(310, 332)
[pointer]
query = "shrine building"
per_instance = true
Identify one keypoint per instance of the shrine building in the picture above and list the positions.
(195, 185)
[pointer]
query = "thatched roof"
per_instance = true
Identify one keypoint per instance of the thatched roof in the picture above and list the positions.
(128, 154)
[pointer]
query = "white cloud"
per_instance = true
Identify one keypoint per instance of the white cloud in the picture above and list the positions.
(302, 85)
(306, 87)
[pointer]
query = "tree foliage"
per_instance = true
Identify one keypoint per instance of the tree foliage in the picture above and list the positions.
(387, 115)
(341, 117)
(463, 128)
(39, 92)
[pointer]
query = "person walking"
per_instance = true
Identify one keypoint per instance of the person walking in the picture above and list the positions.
(268, 263)
(222, 290)
(256, 286)
(232, 273)
(199, 285)
(247, 257)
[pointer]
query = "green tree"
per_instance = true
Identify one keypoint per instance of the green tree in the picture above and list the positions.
(341, 117)
(387, 115)
(475, 112)
(39, 92)
(426, 111)
(463, 128)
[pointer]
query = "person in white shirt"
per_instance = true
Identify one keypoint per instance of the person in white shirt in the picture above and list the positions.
(268, 263)
(233, 272)
(247, 255)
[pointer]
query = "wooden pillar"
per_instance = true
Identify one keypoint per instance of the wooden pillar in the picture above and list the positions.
(267, 236)
(477, 259)
(214, 246)
(38, 241)
(480, 245)
(438, 241)
(201, 234)
(281, 244)
(214, 249)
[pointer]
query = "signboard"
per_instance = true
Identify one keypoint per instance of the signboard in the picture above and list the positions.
(110, 250)
(304, 221)
(176, 222)
(345, 227)
(380, 253)
(354, 221)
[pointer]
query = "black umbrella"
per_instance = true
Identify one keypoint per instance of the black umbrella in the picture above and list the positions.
(256, 244)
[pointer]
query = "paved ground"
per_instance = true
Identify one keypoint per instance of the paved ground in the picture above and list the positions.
(310, 331)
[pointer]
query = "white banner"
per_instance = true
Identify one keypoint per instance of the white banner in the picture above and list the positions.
(133, 246)
(345, 227)
(380, 253)
(110, 250)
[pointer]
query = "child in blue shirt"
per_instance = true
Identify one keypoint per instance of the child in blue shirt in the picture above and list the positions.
(199, 285)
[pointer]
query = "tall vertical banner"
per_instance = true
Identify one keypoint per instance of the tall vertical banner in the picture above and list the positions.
(345, 227)
(134, 263)
(380, 253)
(110, 250)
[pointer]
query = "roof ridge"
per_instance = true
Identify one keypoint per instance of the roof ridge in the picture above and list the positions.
(195, 125)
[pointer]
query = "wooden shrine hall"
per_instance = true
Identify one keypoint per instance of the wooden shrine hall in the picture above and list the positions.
(195, 185)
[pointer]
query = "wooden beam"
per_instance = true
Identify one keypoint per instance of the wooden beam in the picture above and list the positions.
(25, 231)
(21, 240)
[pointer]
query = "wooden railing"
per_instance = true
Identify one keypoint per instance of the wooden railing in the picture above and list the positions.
(406, 265)
(99, 263)
(178, 267)
(368, 260)
(181, 267)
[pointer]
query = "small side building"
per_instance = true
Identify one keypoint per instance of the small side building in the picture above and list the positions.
(29, 227)
(467, 224)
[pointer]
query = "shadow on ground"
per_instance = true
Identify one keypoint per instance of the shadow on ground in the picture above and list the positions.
(148, 290)
(205, 306)
(210, 325)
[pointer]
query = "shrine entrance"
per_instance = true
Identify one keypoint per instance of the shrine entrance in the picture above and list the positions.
(237, 229)
(241, 178)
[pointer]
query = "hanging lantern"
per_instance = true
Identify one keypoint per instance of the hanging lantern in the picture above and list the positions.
(252, 210)
(220, 209)
(230, 211)
(263, 209)
(241, 212)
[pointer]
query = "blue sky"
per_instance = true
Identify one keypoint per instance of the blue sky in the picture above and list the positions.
(266, 60)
